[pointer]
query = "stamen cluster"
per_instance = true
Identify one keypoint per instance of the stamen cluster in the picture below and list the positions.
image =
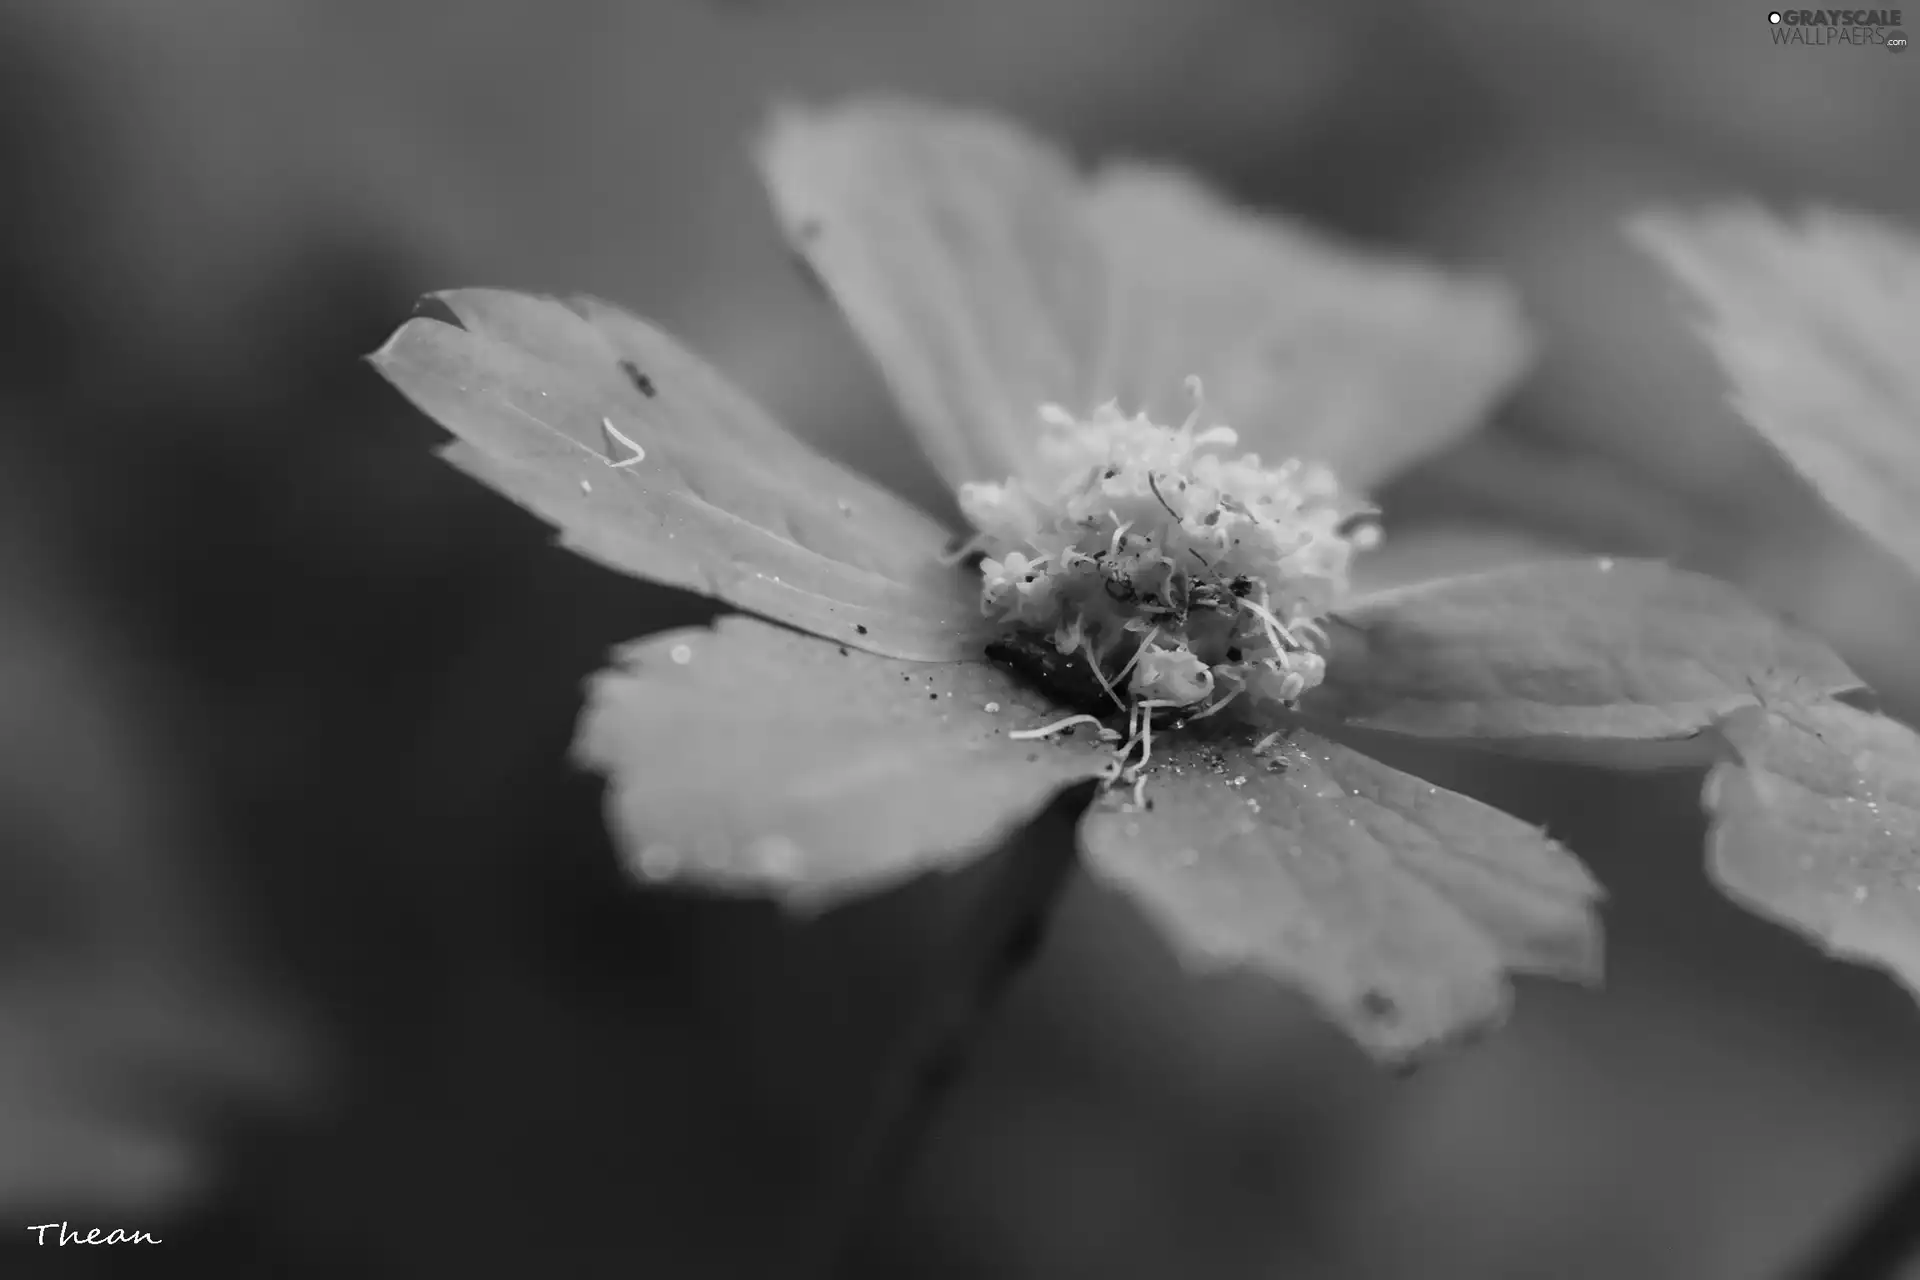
(1184, 575)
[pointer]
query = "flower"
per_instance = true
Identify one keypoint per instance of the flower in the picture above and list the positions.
(1816, 810)
(1159, 610)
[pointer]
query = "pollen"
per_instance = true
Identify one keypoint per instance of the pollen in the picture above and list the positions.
(1184, 573)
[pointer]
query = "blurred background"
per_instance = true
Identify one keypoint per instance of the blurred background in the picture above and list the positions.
(314, 958)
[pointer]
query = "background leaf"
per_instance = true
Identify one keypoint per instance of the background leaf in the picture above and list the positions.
(1568, 658)
(952, 242)
(1398, 906)
(754, 760)
(1817, 825)
(1308, 347)
(725, 501)
(1818, 328)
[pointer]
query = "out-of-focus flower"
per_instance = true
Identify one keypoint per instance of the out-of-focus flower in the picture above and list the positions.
(1817, 327)
(1188, 604)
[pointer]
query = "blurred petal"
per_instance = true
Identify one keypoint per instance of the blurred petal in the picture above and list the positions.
(721, 501)
(1600, 660)
(1816, 824)
(1818, 329)
(1398, 906)
(986, 277)
(1308, 348)
(752, 760)
(953, 244)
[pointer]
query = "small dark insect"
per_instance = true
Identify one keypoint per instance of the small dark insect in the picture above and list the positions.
(1241, 586)
(641, 382)
(1065, 677)
(861, 627)
(843, 651)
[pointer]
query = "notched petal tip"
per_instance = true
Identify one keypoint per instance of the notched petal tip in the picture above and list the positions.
(434, 306)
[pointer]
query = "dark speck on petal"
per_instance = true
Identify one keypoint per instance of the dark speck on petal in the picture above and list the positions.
(641, 382)
(1378, 1004)
(861, 627)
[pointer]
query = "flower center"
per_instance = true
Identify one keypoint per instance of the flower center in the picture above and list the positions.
(1183, 576)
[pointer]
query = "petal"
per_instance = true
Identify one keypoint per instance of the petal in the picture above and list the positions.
(1818, 330)
(1308, 348)
(1816, 824)
(1582, 659)
(724, 502)
(753, 760)
(986, 276)
(952, 242)
(1398, 906)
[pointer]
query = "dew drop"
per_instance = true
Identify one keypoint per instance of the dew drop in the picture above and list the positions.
(585, 487)
(775, 857)
(681, 654)
(991, 707)
(659, 861)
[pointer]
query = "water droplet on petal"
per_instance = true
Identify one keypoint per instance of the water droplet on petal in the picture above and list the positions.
(681, 654)
(585, 487)
(775, 857)
(1605, 564)
(991, 707)
(1859, 893)
(659, 861)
